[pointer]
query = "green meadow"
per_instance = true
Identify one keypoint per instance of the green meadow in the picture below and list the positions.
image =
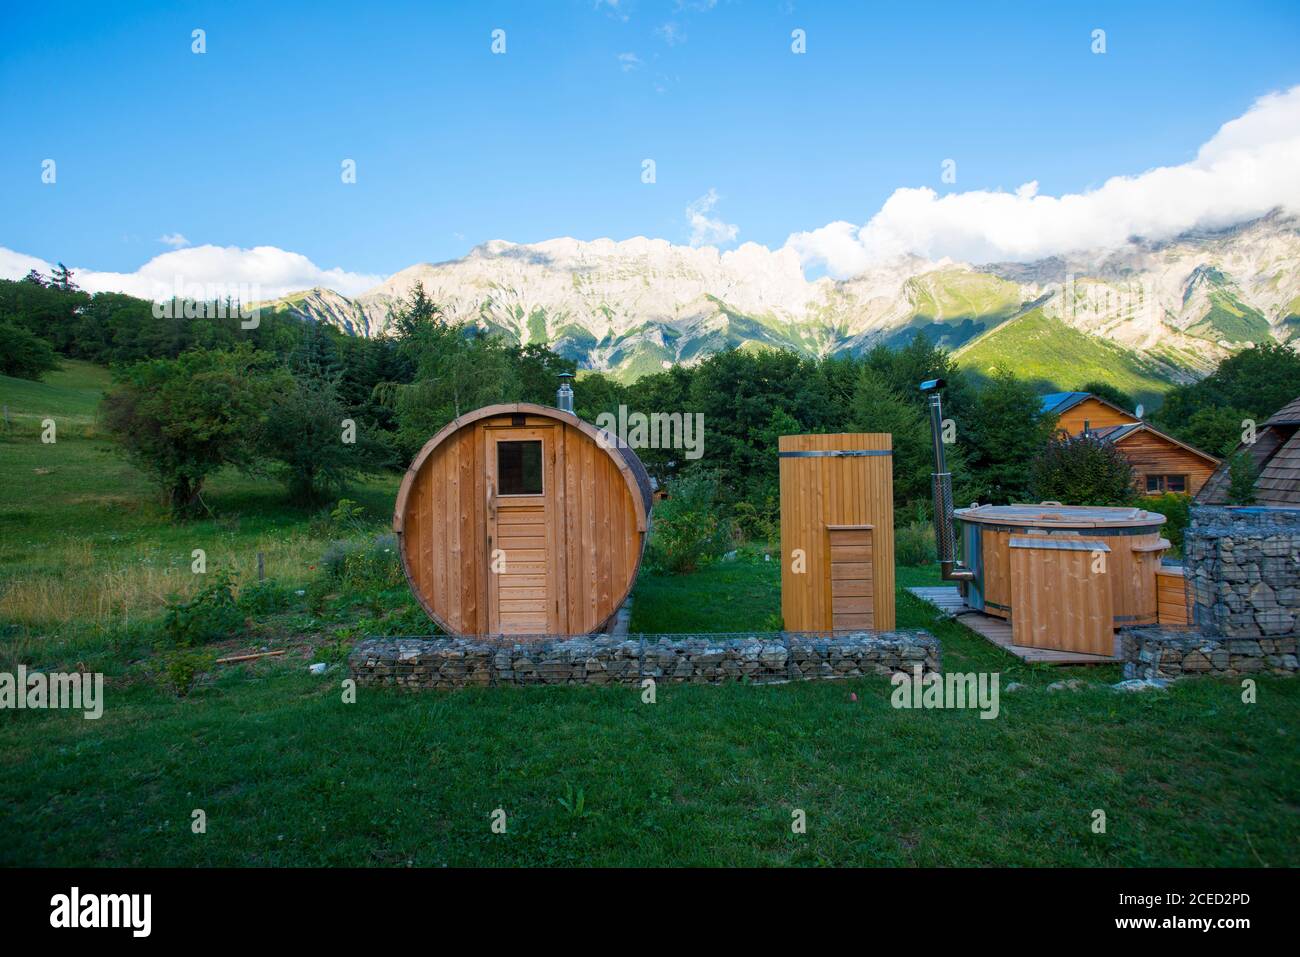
(287, 773)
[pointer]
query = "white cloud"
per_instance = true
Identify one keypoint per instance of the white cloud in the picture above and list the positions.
(263, 272)
(671, 33)
(1249, 167)
(629, 62)
(706, 230)
(174, 240)
(613, 9)
(17, 265)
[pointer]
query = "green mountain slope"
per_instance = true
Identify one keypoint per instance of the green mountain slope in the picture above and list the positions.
(1047, 350)
(953, 306)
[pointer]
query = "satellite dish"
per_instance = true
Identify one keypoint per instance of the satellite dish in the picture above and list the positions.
(1139, 411)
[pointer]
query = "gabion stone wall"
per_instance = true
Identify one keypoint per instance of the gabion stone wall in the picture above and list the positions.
(1154, 652)
(601, 659)
(1243, 570)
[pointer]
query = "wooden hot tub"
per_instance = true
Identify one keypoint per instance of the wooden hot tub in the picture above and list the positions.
(1065, 576)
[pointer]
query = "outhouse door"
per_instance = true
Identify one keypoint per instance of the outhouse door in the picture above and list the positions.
(520, 513)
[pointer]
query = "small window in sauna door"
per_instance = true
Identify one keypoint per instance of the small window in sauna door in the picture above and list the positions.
(520, 538)
(852, 597)
(519, 467)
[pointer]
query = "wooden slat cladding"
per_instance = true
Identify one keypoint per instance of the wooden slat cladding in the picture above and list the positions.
(820, 492)
(1061, 600)
(1171, 596)
(1096, 414)
(852, 606)
(572, 553)
(1152, 454)
(1130, 563)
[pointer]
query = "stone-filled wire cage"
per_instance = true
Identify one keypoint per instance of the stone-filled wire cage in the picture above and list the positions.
(1243, 570)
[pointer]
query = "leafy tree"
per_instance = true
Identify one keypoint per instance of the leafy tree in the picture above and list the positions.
(1216, 429)
(1257, 381)
(1082, 470)
(594, 393)
(416, 313)
(878, 408)
(1241, 478)
(688, 527)
(665, 391)
(43, 310)
(35, 278)
(315, 353)
(61, 278)
(737, 393)
(1004, 430)
(24, 355)
(905, 369)
(537, 372)
(1110, 393)
(180, 420)
(456, 368)
(303, 436)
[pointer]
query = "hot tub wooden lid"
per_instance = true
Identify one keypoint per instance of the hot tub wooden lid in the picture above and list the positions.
(1051, 515)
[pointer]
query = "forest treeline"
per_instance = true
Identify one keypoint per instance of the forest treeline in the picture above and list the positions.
(318, 407)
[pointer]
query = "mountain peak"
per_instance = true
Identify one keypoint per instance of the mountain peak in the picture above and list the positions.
(631, 306)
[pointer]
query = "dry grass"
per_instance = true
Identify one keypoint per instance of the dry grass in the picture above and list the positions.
(111, 587)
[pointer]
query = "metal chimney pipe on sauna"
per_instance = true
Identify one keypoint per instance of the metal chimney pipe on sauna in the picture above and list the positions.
(564, 397)
(945, 539)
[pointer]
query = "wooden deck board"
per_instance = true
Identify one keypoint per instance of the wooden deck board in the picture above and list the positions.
(948, 600)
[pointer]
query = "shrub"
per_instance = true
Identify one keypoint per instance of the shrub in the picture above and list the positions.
(263, 598)
(687, 526)
(914, 543)
(1241, 478)
(24, 355)
(209, 615)
(182, 667)
(760, 523)
(1082, 470)
(363, 565)
(1176, 507)
(336, 649)
(345, 518)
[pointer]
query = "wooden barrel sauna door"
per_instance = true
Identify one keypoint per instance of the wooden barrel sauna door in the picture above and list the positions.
(520, 507)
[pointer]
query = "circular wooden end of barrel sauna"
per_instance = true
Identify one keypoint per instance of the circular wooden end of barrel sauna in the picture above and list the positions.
(521, 519)
(999, 539)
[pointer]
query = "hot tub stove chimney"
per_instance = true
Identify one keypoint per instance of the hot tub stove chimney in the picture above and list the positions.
(564, 395)
(945, 539)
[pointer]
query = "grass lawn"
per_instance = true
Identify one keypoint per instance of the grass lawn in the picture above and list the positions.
(289, 774)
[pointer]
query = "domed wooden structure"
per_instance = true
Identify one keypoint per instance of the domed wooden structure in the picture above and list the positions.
(522, 519)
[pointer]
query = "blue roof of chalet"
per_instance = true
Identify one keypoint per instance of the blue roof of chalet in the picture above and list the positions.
(1117, 432)
(1058, 402)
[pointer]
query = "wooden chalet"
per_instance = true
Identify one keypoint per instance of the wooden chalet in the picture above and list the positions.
(1160, 462)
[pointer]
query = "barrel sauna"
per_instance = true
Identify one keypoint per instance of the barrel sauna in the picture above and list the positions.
(522, 519)
(837, 532)
(1065, 576)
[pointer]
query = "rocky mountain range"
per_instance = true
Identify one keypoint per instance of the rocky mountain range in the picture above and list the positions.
(1142, 316)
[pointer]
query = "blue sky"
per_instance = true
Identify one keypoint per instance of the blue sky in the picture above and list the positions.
(242, 146)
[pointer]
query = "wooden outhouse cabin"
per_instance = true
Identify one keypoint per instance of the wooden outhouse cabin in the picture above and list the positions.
(837, 532)
(522, 519)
